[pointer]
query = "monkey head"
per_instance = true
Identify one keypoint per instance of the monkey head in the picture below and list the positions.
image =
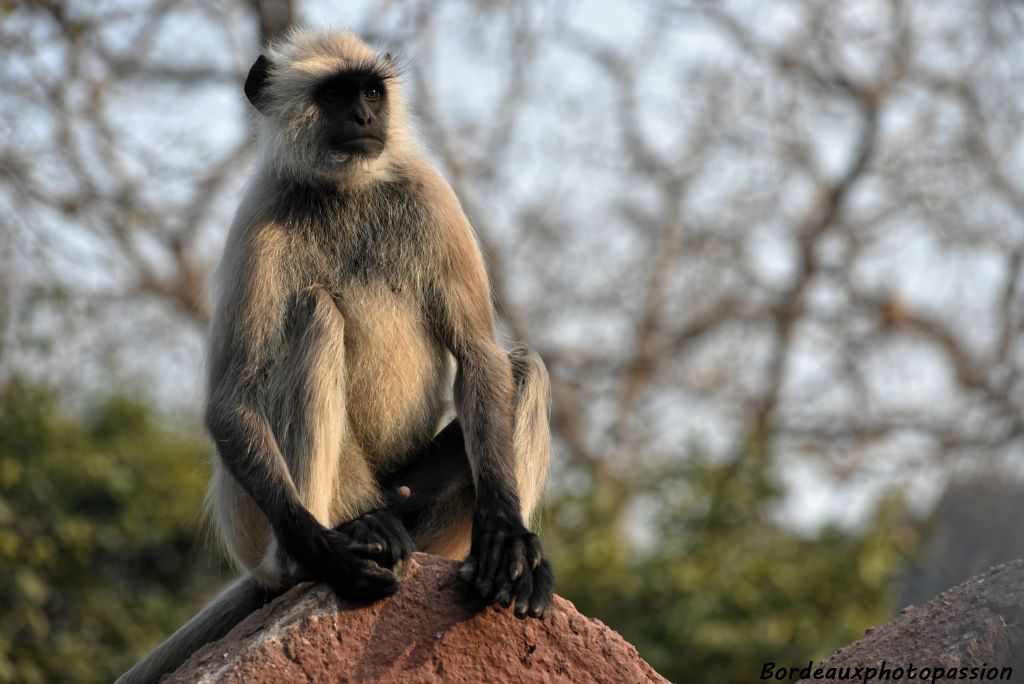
(330, 106)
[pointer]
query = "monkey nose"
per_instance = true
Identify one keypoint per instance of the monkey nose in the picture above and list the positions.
(362, 117)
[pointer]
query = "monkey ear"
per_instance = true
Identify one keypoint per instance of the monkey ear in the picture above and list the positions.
(256, 82)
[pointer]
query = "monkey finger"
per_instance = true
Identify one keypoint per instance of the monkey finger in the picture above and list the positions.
(406, 545)
(360, 581)
(341, 542)
(481, 552)
(503, 586)
(543, 590)
(365, 548)
(493, 555)
(364, 590)
(377, 577)
(376, 573)
(535, 552)
(397, 537)
(364, 544)
(397, 544)
(364, 539)
(524, 587)
(515, 558)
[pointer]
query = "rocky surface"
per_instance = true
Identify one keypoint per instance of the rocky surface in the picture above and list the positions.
(976, 624)
(425, 633)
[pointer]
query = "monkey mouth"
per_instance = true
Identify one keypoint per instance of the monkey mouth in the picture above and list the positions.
(363, 146)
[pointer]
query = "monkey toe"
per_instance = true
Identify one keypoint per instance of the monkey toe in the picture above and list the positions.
(532, 591)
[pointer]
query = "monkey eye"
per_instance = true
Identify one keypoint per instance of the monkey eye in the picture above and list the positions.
(371, 94)
(332, 94)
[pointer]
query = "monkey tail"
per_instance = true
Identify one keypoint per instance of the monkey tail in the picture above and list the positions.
(215, 620)
(531, 437)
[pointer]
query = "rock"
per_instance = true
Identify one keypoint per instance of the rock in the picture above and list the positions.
(976, 624)
(425, 633)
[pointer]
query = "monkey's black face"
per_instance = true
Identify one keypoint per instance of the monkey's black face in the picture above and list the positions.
(354, 106)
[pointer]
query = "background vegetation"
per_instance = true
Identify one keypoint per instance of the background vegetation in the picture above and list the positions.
(99, 520)
(771, 252)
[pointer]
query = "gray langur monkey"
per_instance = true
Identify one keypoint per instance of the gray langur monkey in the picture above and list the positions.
(353, 309)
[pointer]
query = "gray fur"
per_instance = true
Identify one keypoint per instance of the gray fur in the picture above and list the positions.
(345, 293)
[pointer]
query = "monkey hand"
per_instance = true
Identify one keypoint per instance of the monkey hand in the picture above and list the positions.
(506, 563)
(353, 560)
(380, 536)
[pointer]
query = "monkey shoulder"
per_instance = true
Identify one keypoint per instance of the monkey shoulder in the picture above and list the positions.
(429, 189)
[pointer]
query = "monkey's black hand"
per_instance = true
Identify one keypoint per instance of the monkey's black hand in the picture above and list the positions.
(381, 537)
(506, 563)
(347, 564)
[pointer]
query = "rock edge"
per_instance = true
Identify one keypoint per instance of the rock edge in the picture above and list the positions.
(424, 633)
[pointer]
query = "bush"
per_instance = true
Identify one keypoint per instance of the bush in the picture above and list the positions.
(99, 519)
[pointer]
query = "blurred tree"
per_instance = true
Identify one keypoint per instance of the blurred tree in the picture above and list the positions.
(98, 523)
(812, 228)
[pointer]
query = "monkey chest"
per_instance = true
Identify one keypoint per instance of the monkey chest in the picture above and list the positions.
(396, 373)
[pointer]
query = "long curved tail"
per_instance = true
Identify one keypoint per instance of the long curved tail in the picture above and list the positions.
(215, 620)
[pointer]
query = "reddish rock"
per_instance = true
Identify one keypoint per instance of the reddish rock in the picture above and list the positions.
(425, 633)
(976, 624)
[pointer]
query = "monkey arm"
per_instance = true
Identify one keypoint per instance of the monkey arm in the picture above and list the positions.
(506, 561)
(484, 387)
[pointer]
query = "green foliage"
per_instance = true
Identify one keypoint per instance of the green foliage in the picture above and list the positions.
(99, 521)
(723, 588)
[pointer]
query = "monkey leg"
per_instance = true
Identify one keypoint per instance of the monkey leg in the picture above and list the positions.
(307, 414)
(330, 471)
(434, 496)
(241, 525)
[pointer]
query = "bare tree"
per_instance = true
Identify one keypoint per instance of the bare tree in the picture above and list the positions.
(795, 230)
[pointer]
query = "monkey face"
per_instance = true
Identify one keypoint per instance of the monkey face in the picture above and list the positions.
(354, 109)
(344, 123)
